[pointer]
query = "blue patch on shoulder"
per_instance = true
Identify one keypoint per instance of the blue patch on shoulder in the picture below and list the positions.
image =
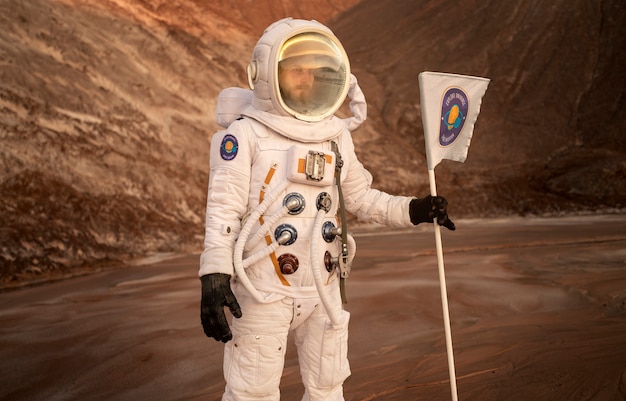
(229, 147)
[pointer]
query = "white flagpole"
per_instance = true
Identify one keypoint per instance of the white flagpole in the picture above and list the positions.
(444, 294)
(444, 96)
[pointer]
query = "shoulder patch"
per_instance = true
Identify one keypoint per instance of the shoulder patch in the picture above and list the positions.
(229, 147)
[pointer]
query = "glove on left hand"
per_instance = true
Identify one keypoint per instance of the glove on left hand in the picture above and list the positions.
(216, 294)
(425, 210)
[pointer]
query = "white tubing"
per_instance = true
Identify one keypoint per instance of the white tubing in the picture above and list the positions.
(264, 229)
(317, 267)
(243, 238)
(263, 253)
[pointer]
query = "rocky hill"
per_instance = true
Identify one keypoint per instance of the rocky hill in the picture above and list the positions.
(549, 138)
(106, 111)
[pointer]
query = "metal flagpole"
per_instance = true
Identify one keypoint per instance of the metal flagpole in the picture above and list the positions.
(444, 294)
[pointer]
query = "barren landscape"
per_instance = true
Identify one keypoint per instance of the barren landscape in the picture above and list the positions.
(537, 310)
(107, 110)
(106, 115)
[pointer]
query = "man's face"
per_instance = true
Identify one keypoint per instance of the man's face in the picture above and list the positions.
(296, 83)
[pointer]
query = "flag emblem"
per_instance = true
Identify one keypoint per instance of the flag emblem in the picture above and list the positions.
(454, 106)
(229, 147)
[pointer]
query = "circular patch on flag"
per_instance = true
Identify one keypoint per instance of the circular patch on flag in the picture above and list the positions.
(454, 106)
(229, 147)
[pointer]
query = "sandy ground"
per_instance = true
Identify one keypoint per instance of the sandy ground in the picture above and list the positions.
(538, 312)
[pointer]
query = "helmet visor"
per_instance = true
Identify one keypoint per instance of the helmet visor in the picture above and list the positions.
(312, 76)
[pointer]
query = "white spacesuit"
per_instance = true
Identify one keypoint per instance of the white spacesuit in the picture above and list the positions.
(280, 173)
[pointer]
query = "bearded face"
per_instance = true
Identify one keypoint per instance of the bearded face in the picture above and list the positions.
(296, 85)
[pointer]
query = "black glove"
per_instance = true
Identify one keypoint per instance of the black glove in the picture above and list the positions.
(425, 210)
(216, 294)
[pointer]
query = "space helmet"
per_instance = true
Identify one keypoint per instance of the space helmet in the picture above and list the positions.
(300, 69)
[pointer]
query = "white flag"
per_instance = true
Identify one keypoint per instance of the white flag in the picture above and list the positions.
(450, 107)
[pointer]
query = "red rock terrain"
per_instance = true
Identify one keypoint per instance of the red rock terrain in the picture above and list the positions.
(106, 111)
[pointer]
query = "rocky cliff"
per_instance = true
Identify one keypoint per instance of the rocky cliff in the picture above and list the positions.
(549, 138)
(106, 111)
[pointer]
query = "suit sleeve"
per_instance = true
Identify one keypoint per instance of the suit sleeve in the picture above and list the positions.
(227, 198)
(367, 203)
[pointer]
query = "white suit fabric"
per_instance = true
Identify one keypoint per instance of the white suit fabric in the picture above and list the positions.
(257, 160)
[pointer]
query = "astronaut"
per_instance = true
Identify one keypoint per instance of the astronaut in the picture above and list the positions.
(283, 174)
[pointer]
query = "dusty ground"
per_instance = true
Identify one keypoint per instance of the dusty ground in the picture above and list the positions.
(538, 311)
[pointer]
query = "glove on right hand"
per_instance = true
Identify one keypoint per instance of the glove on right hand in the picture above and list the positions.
(216, 294)
(422, 210)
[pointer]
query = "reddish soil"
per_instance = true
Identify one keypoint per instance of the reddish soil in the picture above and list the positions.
(537, 310)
